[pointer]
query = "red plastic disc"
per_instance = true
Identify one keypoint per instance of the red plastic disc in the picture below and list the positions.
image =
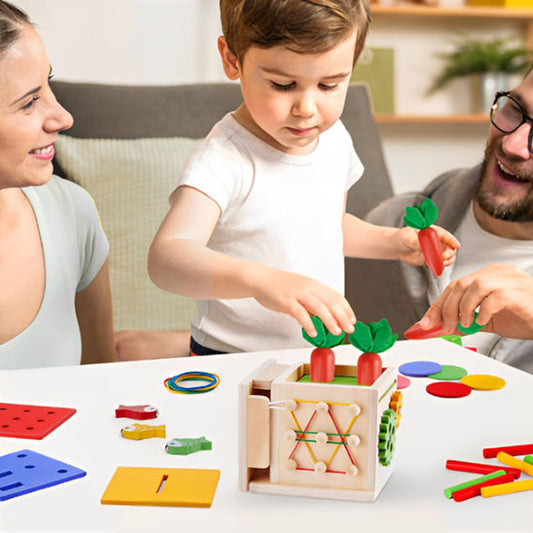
(448, 389)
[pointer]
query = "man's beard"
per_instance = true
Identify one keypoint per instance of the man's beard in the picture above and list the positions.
(520, 210)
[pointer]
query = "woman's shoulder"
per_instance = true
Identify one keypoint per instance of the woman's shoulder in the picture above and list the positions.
(67, 200)
(61, 190)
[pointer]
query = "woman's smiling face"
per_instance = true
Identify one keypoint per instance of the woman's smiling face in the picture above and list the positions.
(30, 116)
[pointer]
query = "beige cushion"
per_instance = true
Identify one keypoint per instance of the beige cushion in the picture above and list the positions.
(130, 181)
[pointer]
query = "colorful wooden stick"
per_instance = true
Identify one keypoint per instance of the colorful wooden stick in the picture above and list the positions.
(519, 449)
(450, 490)
(475, 490)
(509, 460)
(480, 468)
(507, 488)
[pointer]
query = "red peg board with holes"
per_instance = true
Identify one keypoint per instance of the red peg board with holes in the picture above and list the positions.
(31, 421)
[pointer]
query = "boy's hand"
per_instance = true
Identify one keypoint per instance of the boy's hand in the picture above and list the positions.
(411, 253)
(301, 297)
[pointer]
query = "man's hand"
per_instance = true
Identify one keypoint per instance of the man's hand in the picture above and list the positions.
(503, 294)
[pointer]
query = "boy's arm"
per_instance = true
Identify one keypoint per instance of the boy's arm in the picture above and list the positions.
(369, 241)
(179, 261)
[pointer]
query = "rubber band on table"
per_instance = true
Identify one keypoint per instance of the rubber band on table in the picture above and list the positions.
(210, 380)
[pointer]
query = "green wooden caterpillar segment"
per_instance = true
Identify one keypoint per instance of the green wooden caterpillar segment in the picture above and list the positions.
(374, 337)
(324, 338)
(422, 215)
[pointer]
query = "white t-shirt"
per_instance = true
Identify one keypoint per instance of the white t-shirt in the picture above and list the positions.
(74, 248)
(479, 249)
(277, 209)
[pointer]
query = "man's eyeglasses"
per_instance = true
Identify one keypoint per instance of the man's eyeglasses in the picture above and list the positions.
(507, 115)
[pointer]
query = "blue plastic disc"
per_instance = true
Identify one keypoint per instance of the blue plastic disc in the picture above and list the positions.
(420, 369)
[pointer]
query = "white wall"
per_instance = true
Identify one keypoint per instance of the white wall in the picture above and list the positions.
(129, 41)
(174, 41)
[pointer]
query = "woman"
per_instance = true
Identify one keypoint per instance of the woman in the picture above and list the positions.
(55, 302)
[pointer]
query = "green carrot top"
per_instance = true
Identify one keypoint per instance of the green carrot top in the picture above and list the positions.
(324, 338)
(422, 215)
(373, 337)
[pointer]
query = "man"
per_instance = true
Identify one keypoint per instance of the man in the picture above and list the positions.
(490, 210)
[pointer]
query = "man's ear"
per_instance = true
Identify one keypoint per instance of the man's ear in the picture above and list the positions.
(230, 63)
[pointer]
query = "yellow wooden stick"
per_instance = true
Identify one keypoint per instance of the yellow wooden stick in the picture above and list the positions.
(509, 460)
(507, 488)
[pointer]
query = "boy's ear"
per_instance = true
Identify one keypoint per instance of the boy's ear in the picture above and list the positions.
(230, 63)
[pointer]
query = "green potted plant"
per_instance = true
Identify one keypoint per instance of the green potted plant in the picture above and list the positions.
(489, 63)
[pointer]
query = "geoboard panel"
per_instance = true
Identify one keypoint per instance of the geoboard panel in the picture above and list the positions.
(26, 471)
(31, 421)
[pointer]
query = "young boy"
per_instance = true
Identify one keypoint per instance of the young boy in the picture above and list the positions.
(257, 229)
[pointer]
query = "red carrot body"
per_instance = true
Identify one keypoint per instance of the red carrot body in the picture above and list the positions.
(322, 365)
(369, 368)
(431, 249)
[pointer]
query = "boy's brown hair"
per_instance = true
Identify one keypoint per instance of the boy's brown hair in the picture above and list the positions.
(304, 26)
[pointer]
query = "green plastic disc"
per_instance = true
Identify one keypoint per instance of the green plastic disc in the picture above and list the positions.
(449, 373)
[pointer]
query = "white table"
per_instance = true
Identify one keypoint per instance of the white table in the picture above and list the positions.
(432, 430)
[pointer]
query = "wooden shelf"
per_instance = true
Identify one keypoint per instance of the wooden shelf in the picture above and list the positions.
(524, 15)
(486, 12)
(482, 118)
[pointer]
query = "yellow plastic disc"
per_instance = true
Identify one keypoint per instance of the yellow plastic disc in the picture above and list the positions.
(483, 382)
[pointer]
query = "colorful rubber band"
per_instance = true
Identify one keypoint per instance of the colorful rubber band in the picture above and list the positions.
(210, 380)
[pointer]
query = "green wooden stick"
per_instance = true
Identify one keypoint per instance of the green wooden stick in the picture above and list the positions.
(450, 490)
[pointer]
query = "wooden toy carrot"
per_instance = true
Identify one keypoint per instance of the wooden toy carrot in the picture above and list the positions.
(371, 338)
(415, 332)
(421, 217)
(322, 357)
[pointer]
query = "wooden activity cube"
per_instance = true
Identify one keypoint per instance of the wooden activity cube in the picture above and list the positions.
(317, 439)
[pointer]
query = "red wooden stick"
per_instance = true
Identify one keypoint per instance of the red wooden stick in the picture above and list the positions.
(519, 449)
(475, 490)
(480, 468)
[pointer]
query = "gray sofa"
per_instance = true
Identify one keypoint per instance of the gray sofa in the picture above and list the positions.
(374, 288)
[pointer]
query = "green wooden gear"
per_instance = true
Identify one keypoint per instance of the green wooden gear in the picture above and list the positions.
(387, 437)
